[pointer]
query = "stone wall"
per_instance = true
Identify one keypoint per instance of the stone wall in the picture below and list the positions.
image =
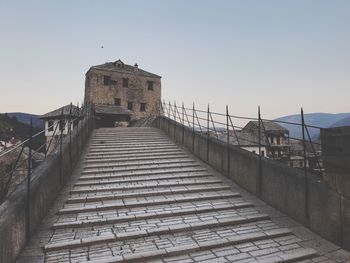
(336, 161)
(46, 183)
(311, 202)
(137, 91)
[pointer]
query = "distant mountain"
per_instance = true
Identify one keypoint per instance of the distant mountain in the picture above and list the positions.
(323, 120)
(342, 122)
(25, 118)
(10, 127)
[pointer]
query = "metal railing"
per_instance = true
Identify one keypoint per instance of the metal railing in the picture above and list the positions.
(253, 133)
(19, 161)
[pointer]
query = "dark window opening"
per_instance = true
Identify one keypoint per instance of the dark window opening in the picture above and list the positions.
(62, 125)
(50, 126)
(106, 80)
(143, 107)
(150, 85)
(117, 101)
(125, 82)
(130, 105)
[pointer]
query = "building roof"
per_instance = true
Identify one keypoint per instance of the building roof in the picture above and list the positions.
(119, 66)
(268, 125)
(248, 139)
(245, 138)
(68, 110)
(111, 109)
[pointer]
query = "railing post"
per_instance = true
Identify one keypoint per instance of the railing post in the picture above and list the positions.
(61, 126)
(259, 181)
(70, 136)
(174, 115)
(169, 119)
(228, 141)
(208, 131)
(306, 189)
(183, 123)
(77, 128)
(193, 130)
(29, 172)
(169, 110)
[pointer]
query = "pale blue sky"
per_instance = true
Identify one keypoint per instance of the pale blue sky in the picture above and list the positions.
(278, 54)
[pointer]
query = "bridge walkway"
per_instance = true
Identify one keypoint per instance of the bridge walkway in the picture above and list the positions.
(138, 197)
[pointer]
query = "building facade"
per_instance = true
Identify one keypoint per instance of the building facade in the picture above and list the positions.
(122, 93)
(62, 120)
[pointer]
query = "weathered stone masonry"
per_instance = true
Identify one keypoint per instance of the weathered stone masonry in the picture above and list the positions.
(132, 88)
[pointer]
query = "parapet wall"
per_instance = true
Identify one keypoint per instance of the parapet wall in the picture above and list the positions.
(311, 202)
(46, 182)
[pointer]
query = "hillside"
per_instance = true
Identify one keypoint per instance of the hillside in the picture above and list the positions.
(11, 127)
(343, 122)
(323, 120)
(25, 118)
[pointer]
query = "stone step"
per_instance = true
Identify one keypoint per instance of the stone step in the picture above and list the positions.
(128, 145)
(150, 215)
(301, 255)
(81, 199)
(143, 186)
(144, 167)
(130, 133)
(145, 173)
(135, 154)
(139, 163)
(101, 142)
(195, 247)
(142, 174)
(144, 157)
(133, 149)
(88, 181)
(154, 231)
(128, 204)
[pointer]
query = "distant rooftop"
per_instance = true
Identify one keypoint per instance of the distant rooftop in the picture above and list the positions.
(120, 66)
(111, 109)
(68, 110)
(268, 125)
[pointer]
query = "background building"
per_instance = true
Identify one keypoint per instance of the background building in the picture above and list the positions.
(122, 93)
(54, 126)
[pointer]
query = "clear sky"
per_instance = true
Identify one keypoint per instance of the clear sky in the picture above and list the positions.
(278, 54)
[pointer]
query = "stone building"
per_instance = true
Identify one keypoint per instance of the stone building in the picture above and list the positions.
(54, 126)
(275, 137)
(122, 93)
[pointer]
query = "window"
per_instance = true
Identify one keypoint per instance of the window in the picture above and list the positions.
(62, 124)
(50, 126)
(150, 85)
(106, 80)
(117, 101)
(113, 82)
(125, 82)
(143, 107)
(130, 105)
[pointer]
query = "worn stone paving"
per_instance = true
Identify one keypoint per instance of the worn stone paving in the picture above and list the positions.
(138, 197)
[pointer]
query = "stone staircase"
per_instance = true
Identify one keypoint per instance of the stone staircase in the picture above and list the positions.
(142, 198)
